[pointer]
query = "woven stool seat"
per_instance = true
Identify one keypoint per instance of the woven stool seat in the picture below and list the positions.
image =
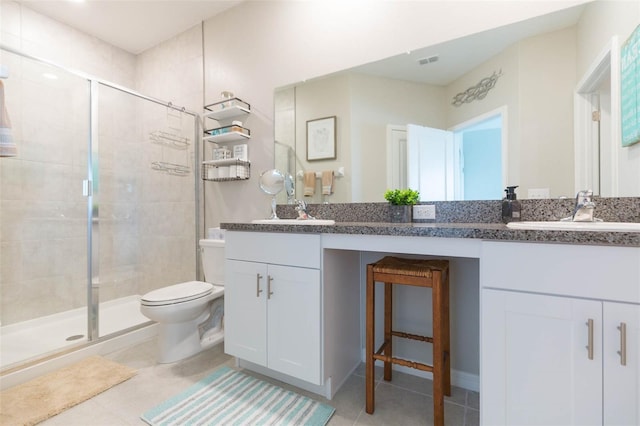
(429, 273)
(410, 267)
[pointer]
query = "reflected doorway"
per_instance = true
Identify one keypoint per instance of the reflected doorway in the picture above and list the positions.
(478, 160)
(463, 163)
(597, 128)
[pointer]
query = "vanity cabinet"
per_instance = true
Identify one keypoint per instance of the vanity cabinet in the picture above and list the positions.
(559, 331)
(273, 309)
(272, 315)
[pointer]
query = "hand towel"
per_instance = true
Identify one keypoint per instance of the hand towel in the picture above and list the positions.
(7, 146)
(309, 183)
(327, 182)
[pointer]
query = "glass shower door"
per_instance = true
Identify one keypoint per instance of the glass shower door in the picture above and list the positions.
(43, 213)
(146, 201)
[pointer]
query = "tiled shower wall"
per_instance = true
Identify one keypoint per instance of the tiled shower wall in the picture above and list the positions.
(147, 221)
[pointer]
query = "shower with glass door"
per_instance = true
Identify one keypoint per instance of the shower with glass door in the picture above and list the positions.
(99, 206)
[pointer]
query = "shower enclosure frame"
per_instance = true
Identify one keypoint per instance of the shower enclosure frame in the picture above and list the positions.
(92, 193)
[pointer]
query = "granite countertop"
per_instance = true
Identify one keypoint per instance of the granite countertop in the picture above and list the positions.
(485, 231)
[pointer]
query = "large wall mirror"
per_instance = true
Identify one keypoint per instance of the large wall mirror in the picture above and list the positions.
(463, 119)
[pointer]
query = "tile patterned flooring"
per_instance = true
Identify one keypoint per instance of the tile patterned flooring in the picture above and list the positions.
(404, 401)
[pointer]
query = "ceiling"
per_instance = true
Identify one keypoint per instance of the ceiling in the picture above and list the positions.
(457, 57)
(132, 25)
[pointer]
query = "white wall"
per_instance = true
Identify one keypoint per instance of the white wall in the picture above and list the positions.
(324, 98)
(259, 46)
(545, 90)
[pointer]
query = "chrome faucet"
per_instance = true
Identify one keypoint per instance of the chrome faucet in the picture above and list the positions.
(584, 208)
(301, 208)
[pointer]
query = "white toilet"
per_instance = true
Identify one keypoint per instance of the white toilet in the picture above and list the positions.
(189, 314)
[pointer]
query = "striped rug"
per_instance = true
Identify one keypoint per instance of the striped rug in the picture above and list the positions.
(229, 397)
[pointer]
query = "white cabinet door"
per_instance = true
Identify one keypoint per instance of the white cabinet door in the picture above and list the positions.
(245, 311)
(293, 317)
(537, 369)
(621, 375)
(273, 317)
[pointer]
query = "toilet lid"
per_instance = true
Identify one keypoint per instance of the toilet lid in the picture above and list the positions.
(177, 293)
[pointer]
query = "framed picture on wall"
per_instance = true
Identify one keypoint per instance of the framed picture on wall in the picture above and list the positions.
(321, 139)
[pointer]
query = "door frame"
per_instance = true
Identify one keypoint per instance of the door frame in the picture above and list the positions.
(503, 113)
(587, 146)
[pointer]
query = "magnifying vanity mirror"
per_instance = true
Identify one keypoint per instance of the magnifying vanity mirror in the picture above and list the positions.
(523, 81)
(272, 182)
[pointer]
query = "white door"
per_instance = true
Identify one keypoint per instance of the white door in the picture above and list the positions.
(396, 156)
(294, 322)
(536, 368)
(429, 154)
(621, 332)
(245, 333)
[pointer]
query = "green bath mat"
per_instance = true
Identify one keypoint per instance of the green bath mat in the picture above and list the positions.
(229, 397)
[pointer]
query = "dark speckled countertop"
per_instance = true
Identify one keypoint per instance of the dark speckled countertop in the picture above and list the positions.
(463, 219)
(485, 231)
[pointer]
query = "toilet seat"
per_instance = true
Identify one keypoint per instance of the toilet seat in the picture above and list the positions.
(177, 293)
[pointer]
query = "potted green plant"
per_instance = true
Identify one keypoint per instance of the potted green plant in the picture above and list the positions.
(401, 203)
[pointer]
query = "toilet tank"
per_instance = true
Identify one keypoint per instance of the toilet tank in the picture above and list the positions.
(212, 257)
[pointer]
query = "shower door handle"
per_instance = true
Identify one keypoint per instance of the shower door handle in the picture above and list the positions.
(87, 188)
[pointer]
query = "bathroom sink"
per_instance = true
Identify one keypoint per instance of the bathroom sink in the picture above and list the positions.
(577, 226)
(294, 221)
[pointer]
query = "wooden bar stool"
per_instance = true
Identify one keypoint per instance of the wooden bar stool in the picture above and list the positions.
(422, 273)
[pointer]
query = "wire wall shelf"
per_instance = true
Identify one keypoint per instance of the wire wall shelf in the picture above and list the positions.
(171, 168)
(226, 170)
(170, 140)
(228, 108)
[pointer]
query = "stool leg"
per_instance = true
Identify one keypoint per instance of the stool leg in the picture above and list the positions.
(446, 339)
(370, 327)
(438, 352)
(388, 324)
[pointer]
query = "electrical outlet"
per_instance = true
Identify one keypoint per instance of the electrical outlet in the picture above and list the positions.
(538, 193)
(424, 211)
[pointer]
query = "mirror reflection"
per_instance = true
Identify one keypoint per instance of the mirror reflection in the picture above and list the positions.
(457, 121)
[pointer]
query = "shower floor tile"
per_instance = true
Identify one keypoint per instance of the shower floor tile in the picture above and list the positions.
(39, 337)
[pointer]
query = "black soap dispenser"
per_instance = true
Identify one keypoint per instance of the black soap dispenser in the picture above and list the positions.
(511, 207)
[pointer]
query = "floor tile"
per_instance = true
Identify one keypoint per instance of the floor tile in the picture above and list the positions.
(406, 400)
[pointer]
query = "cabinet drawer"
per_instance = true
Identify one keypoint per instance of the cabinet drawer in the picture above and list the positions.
(301, 250)
(599, 272)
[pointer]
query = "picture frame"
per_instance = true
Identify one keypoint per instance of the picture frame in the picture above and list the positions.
(630, 90)
(321, 139)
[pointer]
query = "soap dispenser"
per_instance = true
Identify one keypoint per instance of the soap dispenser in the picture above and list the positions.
(511, 207)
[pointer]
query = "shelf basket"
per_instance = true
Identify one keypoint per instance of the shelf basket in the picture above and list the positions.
(226, 170)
